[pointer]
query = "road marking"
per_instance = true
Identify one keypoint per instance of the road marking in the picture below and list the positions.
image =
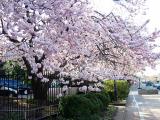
(140, 113)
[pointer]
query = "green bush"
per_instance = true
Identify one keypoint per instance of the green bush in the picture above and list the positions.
(12, 68)
(104, 97)
(122, 89)
(75, 107)
(96, 103)
(84, 106)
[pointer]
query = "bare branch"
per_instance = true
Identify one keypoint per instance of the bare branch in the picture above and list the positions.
(142, 27)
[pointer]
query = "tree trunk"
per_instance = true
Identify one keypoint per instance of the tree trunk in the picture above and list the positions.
(39, 91)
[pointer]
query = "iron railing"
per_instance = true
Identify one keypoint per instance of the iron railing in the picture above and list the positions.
(17, 101)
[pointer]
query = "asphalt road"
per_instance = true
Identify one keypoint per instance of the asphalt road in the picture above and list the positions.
(142, 107)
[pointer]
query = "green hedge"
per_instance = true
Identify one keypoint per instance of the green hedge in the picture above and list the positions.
(122, 89)
(104, 97)
(75, 106)
(83, 107)
(89, 106)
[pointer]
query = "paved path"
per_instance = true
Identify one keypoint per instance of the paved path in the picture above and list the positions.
(142, 107)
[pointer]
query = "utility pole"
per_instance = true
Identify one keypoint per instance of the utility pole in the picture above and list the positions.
(115, 84)
(115, 90)
(139, 84)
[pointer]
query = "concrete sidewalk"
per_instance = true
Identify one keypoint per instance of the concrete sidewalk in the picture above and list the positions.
(120, 115)
(139, 107)
(130, 111)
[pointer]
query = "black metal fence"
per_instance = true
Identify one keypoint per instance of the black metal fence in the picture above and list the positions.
(17, 101)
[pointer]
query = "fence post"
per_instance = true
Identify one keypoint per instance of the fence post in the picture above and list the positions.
(25, 115)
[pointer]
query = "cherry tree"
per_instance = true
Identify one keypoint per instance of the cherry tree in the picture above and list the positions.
(72, 41)
(122, 45)
(127, 49)
(45, 35)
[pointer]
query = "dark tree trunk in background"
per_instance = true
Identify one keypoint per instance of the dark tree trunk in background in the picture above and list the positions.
(39, 91)
(115, 91)
(40, 88)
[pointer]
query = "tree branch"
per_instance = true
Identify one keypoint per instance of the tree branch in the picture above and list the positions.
(6, 34)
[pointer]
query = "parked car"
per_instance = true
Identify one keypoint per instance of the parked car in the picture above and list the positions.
(14, 88)
(149, 83)
(156, 85)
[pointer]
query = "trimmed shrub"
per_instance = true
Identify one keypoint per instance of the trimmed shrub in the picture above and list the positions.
(97, 104)
(76, 107)
(122, 89)
(83, 106)
(104, 97)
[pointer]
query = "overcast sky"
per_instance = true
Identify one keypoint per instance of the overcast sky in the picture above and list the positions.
(153, 14)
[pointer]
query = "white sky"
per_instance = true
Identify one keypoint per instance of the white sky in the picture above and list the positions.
(153, 13)
(103, 6)
(154, 16)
